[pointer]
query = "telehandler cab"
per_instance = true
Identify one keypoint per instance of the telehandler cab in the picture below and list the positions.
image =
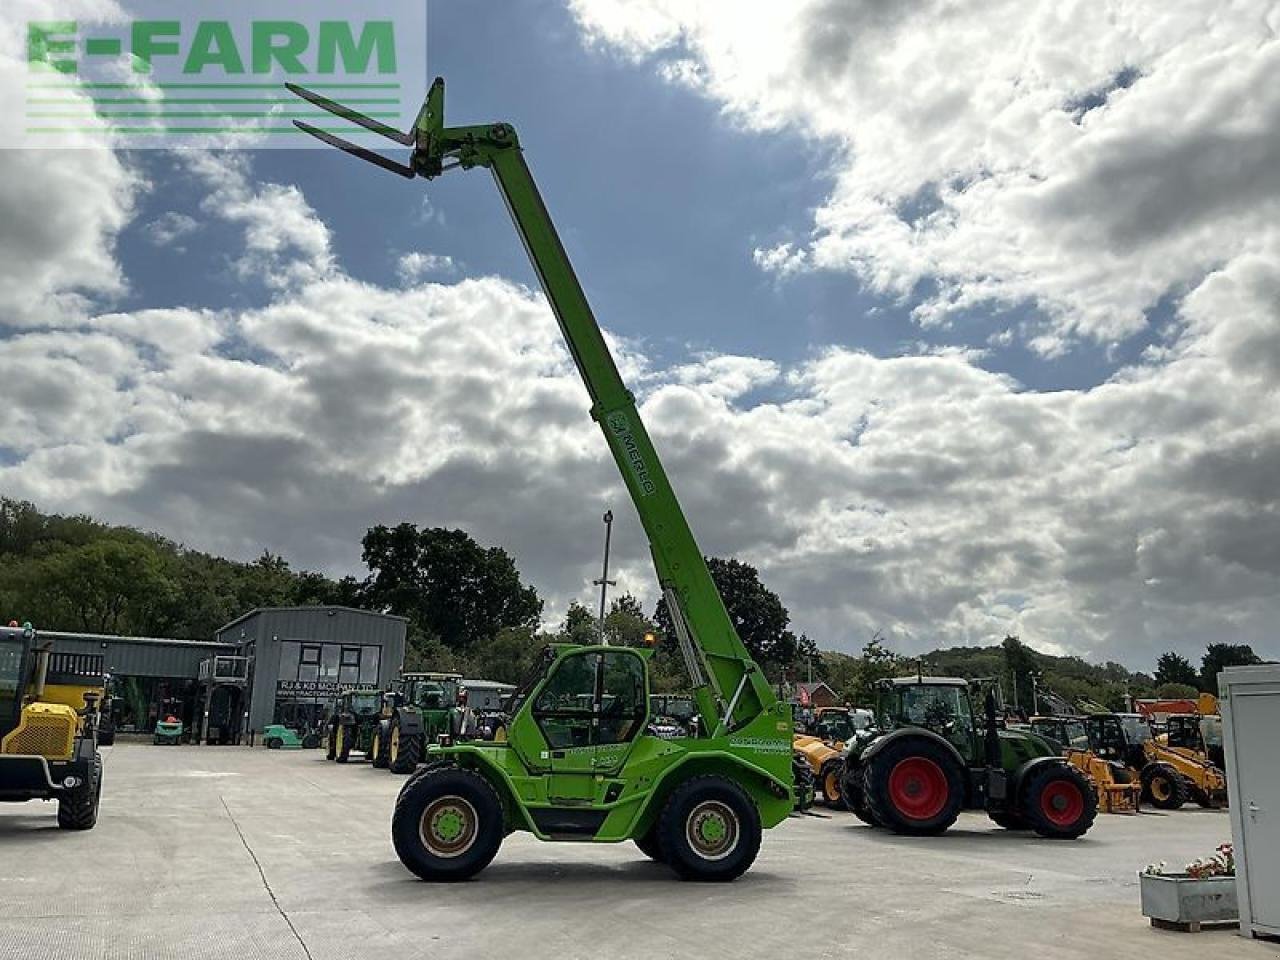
(1169, 779)
(578, 763)
(48, 746)
(929, 757)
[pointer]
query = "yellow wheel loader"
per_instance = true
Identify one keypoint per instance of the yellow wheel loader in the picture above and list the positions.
(1118, 790)
(823, 748)
(48, 727)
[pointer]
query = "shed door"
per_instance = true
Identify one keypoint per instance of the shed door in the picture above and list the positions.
(1255, 721)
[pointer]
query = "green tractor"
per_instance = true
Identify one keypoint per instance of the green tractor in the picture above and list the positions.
(353, 723)
(420, 707)
(929, 756)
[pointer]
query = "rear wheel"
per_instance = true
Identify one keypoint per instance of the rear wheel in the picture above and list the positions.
(78, 810)
(447, 824)
(913, 786)
(851, 795)
(1059, 802)
(709, 829)
(378, 747)
(342, 744)
(1162, 786)
(331, 744)
(406, 750)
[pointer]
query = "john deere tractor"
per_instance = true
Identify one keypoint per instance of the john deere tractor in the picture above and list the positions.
(420, 708)
(929, 756)
(48, 745)
(353, 724)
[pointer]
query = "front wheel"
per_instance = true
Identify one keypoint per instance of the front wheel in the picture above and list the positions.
(829, 780)
(1059, 802)
(1162, 786)
(406, 751)
(447, 824)
(709, 830)
(331, 744)
(378, 748)
(78, 810)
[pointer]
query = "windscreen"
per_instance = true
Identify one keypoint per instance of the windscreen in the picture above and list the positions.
(1136, 729)
(1211, 730)
(11, 651)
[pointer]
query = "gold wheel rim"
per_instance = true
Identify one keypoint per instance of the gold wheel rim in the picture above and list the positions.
(342, 740)
(448, 827)
(395, 744)
(712, 830)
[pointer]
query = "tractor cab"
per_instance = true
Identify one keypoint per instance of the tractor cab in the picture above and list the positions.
(1120, 737)
(1068, 733)
(939, 704)
(361, 702)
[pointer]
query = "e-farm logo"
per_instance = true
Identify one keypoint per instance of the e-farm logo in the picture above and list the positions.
(216, 72)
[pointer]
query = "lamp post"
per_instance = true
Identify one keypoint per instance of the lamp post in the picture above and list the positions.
(604, 583)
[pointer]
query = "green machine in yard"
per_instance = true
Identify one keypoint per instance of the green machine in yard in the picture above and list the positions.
(930, 754)
(420, 708)
(353, 724)
(578, 763)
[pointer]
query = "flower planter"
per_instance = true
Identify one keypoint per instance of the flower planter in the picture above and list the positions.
(1183, 902)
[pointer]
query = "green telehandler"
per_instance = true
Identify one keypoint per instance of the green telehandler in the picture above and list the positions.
(578, 762)
(353, 723)
(929, 755)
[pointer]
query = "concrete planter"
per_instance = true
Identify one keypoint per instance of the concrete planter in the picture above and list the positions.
(1185, 902)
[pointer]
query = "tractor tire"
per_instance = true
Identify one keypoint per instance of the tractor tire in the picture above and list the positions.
(1059, 802)
(447, 824)
(406, 751)
(378, 749)
(342, 744)
(78, 810)
(851, 796)
(829, 780)
(649, 844)
(1007, 819)
(914, 787)
(709, 830)
(331, 744)
(1163, 786)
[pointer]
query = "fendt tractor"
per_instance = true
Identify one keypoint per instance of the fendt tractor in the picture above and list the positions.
(1118, 790)
(418, 710)
(353, 724)
(1169, 778)
(930, 755)
(48, 726)
(578, 762)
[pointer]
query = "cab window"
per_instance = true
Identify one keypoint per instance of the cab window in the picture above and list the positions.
(623, 703)
(564, 708)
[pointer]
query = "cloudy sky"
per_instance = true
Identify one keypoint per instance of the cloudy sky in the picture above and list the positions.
(954, 318)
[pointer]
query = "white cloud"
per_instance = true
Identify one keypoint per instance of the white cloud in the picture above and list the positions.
(170, 227)
(414, 267)
(1087, 158)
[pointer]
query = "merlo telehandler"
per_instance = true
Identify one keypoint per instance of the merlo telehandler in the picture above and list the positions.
(577, 762)
(353, 724)
(48, 746)
(929, 756)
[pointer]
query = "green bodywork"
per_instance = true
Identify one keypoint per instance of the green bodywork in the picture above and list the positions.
(359, 710)
(605, 791)
(277, 736)
(432, 698)
(168, 734)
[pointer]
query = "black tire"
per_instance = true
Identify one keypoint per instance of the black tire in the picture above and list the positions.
(342, 746)
(1059, 802)
(1163, 787)
(406, 756)
(1202, 798)
(650, 845)
(851, 796)
(331, 744)
(274, 743)
(802, 781)
(310, 741)
(709, 800)
(78, 810)
(830, 778)
(913, 786)
(450, 798)
(379, 748)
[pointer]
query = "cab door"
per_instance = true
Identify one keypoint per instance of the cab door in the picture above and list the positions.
(565, 713)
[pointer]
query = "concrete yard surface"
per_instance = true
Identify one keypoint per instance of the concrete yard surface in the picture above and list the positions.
(232, 852)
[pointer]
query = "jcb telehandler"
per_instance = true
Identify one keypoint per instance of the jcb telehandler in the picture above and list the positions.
(353, 724)
(1119, 791)
(48, 746)
(578, 763)
(930, 756)
(823, 747)
(1169, 779)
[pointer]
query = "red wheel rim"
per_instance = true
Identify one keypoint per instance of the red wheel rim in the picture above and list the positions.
(1062, 803)
(918, 788)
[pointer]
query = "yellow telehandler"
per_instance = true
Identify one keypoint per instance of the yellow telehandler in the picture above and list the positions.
(48, 726)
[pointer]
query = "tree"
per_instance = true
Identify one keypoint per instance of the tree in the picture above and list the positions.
(1176, 691)
(446, 583)
(757, 613)
(1175, 668)
(878, 663)
(1020, 663)
(108, 586)
(625, 624)
(509, 656)
(1219, 655)
(579, 626)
